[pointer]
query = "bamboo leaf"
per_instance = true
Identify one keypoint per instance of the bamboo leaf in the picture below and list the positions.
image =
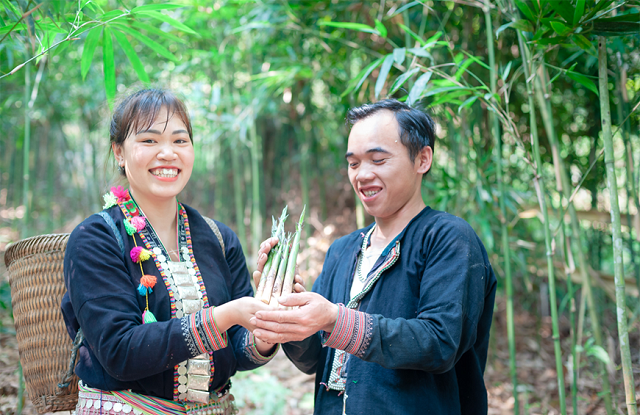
(173, 22)
(579, 12)
(402, 79)
(111, 14)
(412, 34)
(467, 103)
(505, 73)
(381, 29)
(159, 49)
(599, 353)
(560, 28)
(615, 28)
(155, 31)
(349, 25)
(420, 52)
(419, 87)
(90, 44)
(434, 38)
(525, 9)
(521, 24)
(151, 7)
(601, 5)
(564, 9)
(399, 55)
(583, 80)
(384, 71)
(405, 7)
(121, 38)
(109, 66)
(361, 77)
(582, 42)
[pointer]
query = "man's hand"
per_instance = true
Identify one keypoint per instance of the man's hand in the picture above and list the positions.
(315, 313)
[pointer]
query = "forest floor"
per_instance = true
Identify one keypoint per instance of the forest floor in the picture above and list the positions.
(279, 388)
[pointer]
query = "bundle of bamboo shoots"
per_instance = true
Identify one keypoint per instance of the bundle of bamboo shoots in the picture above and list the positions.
(279, 271)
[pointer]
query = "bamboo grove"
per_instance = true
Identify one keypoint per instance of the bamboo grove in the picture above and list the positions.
(537, 104)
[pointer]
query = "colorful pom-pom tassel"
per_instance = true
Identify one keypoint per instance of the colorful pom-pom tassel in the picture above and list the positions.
(139, 222)
(109, 200)
(148, 317)
(148, 281)
(129, 227)
(121, 193)
(142, 290)
(139, 254)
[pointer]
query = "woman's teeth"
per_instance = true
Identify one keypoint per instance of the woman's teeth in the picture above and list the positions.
(369, 193)
(165, 172)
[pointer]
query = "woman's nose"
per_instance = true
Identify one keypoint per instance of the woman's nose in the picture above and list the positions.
(167, 152)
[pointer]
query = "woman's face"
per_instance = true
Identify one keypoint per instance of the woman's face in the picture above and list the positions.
(158, 161)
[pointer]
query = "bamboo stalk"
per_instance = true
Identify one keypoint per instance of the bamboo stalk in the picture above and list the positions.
(616, 230)
(277, 283)
(25, 147)
(277, 229)
(289, 277)
(237, 192)
(495, 126)
(544, 102)
(541, 191)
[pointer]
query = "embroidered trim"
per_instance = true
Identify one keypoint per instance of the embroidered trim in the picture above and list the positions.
(252, 353)
(352, 332)
(354, 329)
(203, 333)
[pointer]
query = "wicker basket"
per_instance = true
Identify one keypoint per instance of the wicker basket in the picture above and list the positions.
(37, 286)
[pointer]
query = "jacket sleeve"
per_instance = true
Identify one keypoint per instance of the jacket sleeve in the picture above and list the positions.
(451, 303)
(243, 341)
(103, 297)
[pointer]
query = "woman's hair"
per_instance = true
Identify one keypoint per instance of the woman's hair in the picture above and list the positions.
(138, 111)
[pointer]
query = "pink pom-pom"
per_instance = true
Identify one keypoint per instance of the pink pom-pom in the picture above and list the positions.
(138, 222)
(135, 253)
(121, 193)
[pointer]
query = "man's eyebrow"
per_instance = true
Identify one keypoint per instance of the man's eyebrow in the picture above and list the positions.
(371, 150)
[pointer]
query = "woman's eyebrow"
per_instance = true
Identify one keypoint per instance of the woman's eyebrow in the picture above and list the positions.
(180, 132)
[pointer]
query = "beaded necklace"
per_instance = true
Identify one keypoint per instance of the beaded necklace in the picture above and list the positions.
(187, 293)
(365, 245)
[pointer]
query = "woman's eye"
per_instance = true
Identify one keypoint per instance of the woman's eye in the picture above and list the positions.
(147, 141)
(181, 141)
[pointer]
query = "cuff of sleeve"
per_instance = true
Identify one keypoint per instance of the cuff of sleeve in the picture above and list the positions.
(252, 351)
(352, 332)
(205, 333)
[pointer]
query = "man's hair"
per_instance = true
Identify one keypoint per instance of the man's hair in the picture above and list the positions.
(417, 129)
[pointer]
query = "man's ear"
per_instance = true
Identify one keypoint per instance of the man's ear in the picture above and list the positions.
(424, 159)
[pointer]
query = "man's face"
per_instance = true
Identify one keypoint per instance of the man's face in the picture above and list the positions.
(380, 170)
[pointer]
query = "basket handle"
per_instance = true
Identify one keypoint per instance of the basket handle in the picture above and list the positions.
(66, 379)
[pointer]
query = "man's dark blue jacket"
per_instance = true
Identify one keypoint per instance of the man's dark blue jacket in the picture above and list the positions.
(417, 341)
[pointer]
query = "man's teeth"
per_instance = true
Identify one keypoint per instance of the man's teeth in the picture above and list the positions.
(165, 172)
(369, 193)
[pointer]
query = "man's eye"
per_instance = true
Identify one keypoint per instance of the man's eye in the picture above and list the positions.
(353, 164)
(378, 161)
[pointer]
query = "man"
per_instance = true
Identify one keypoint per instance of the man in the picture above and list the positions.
(403, 307)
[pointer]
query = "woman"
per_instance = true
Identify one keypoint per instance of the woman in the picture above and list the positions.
(162, 296)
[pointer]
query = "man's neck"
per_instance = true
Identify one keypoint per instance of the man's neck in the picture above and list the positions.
(160, 213)
(388, 228)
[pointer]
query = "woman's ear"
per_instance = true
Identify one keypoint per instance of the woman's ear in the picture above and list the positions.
(118, 153)
(424, 159)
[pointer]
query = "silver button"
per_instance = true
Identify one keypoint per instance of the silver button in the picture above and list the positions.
(182, 389)
(126, 408)
(162, 258)
(157, 250)
(117, 407)
(107, 406)
(88, 403)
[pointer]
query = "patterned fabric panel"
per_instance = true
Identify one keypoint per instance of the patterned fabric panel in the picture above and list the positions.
(352, 332)
(201, 333)
(252, 352)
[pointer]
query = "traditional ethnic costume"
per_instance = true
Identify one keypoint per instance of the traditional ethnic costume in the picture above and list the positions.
(413, 335)
(150, 343)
